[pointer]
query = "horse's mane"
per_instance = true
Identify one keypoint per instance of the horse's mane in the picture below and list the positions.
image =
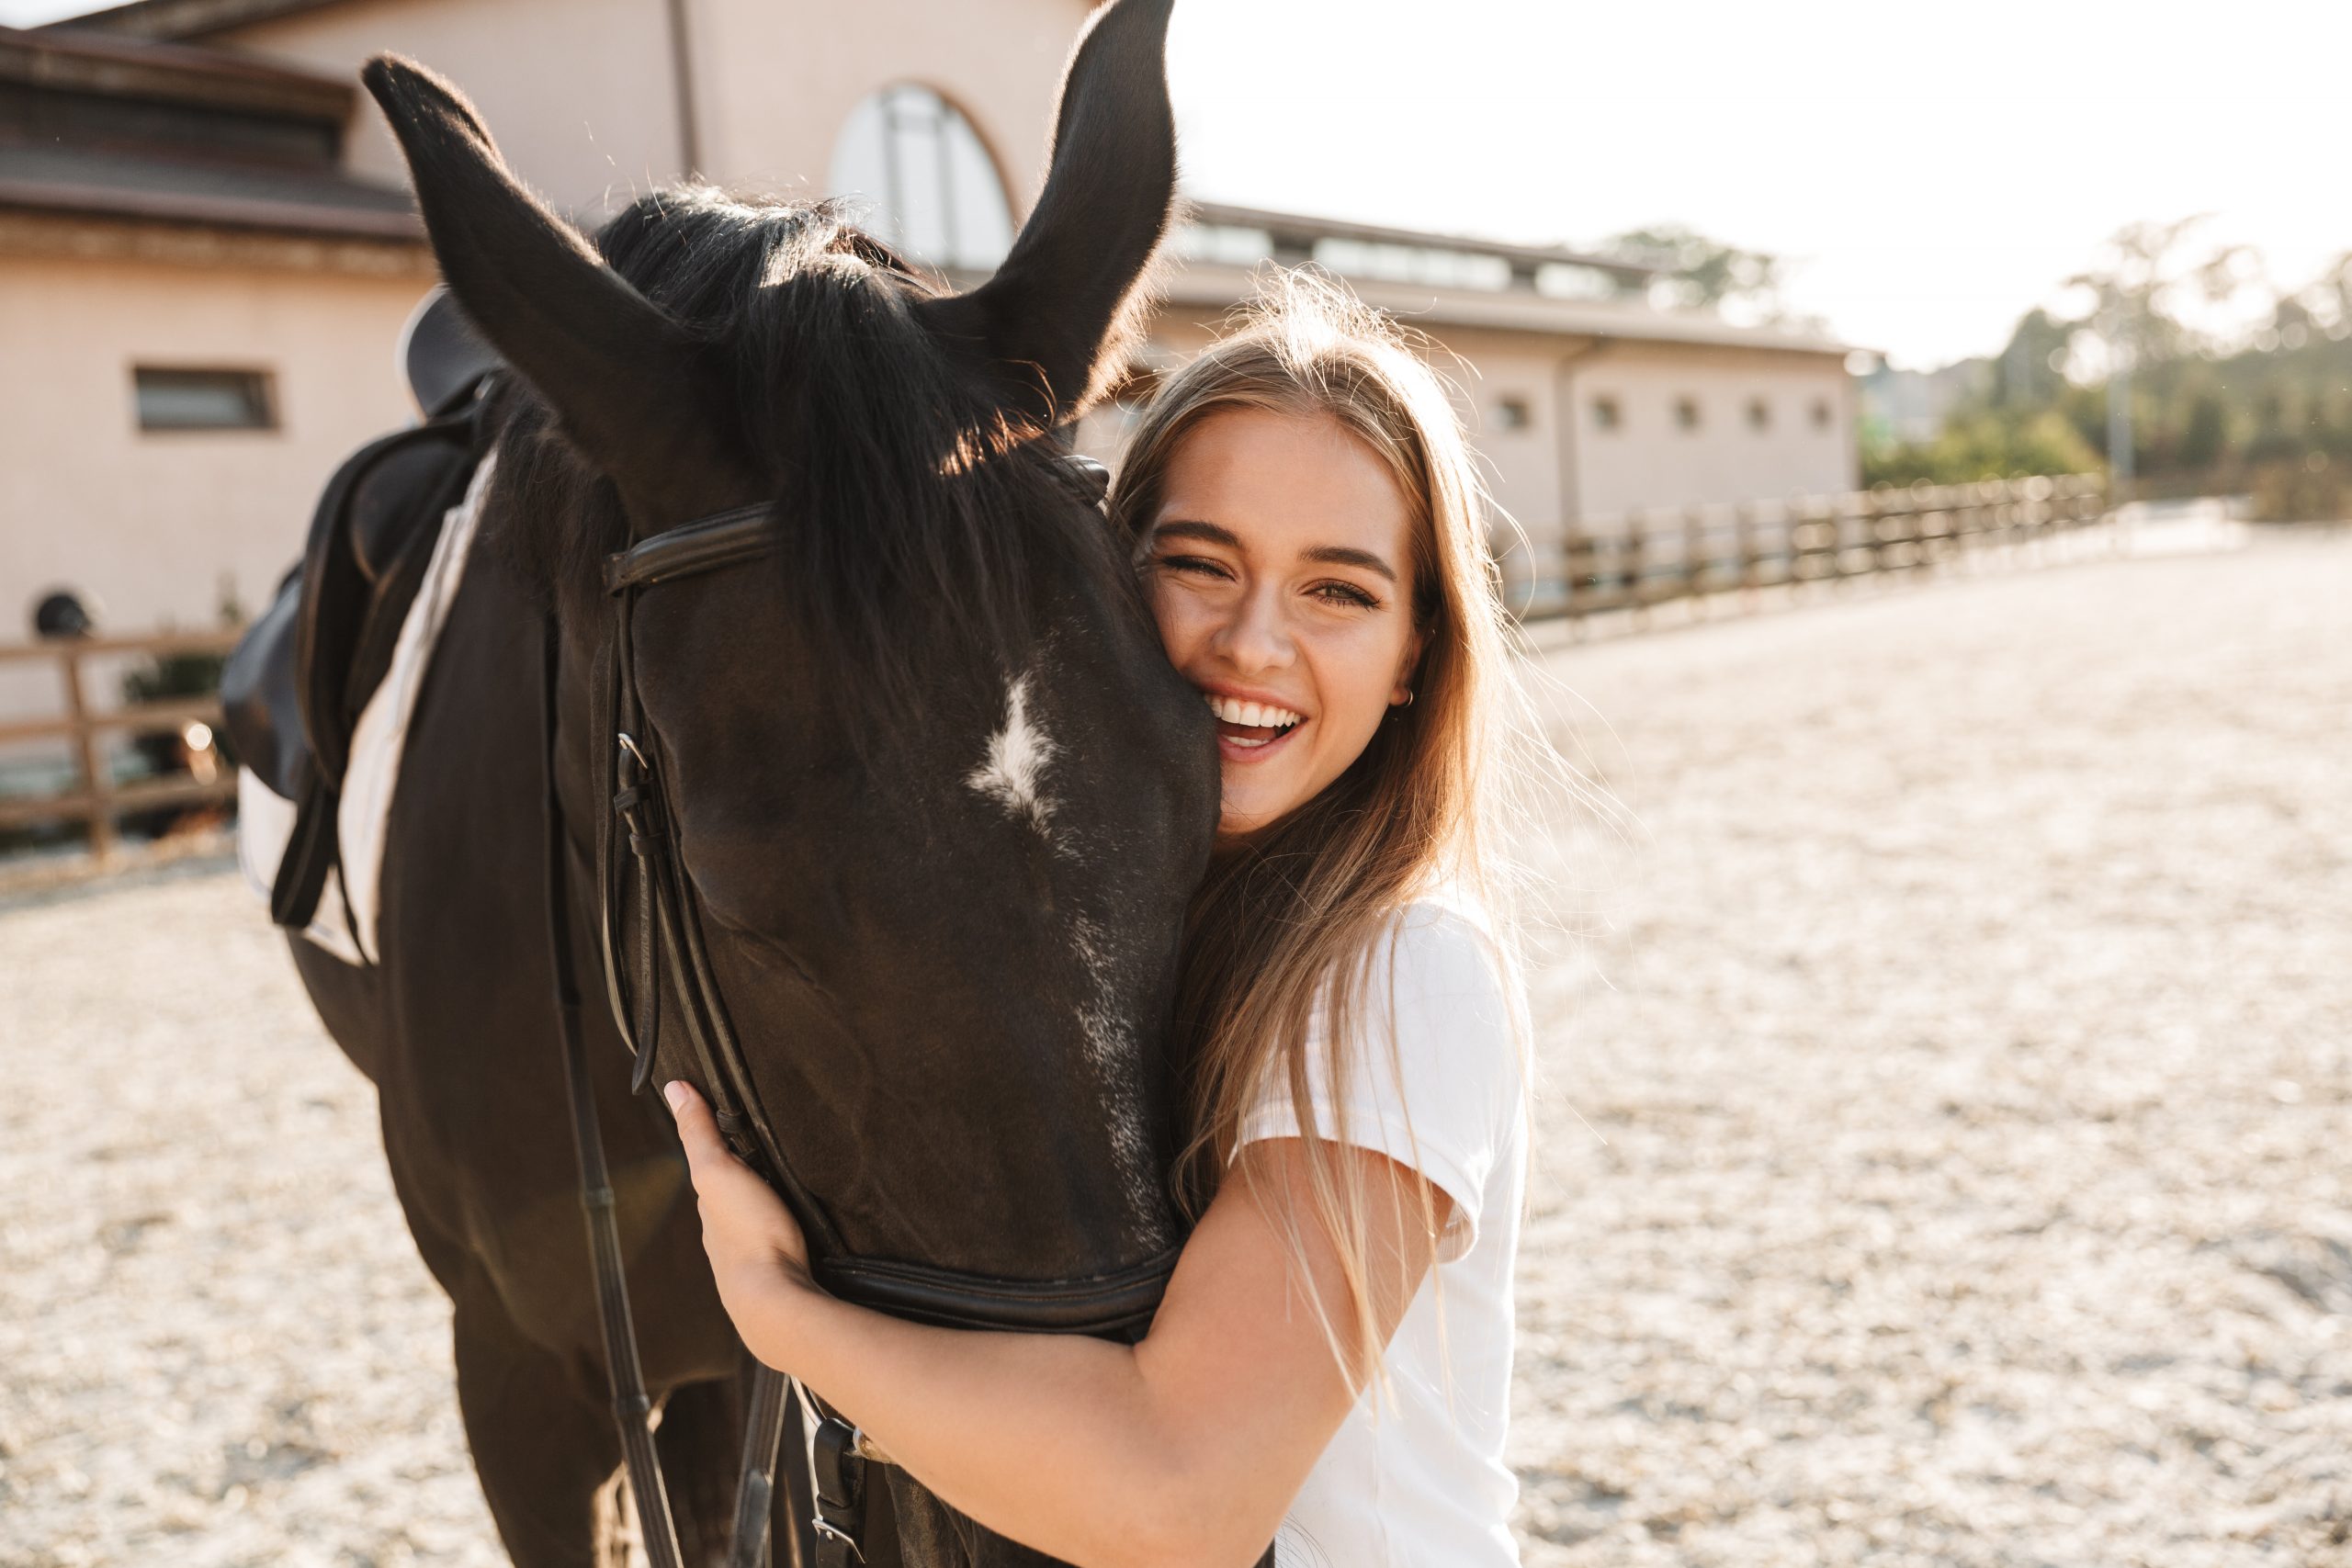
(912, 516)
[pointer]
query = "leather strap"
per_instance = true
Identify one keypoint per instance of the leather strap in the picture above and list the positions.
(775, 1409)
(744, 533)
(841, 1493)
(668, 950)
(632, 1410)
(1117, 1306)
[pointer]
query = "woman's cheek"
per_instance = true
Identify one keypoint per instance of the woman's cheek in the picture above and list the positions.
(1166, 613)
(1349, 668)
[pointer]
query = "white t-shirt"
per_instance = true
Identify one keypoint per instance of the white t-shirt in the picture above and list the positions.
(1422, 1482)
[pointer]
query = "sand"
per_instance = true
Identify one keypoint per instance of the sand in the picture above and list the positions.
(1942, 1153)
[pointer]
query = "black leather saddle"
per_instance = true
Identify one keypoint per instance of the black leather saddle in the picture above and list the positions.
(292, 690)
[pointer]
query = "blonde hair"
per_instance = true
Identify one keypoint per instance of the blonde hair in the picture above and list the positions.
(1288, 926)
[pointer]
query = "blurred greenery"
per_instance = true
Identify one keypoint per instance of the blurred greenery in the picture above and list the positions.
(2238, 384)
(2218, 406)
(185, 675)
(167, 675)
(1982, 444)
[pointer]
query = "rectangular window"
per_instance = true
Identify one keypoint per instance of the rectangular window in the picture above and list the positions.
(1606, 416)
(1222, 243)
(1686, 413)
(203, 400)
(1513, 413)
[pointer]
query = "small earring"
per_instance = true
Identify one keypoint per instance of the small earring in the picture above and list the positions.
(1409, 695)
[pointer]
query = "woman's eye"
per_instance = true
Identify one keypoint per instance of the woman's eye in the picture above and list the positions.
(1345, 593)
(1195, 564)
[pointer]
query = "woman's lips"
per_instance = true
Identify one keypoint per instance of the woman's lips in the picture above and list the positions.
(1246, 743)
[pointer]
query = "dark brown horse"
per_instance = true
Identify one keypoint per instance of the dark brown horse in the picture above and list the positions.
(938, 797)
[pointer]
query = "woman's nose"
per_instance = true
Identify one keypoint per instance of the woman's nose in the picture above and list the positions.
(1257, 636)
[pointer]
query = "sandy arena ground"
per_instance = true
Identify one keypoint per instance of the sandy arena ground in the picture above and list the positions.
(1942, 1161)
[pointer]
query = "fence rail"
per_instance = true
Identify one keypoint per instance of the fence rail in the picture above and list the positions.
(1639, 558)
(97, 799)
(1629, 562)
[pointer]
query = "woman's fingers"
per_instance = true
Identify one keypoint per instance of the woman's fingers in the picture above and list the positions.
(739, 1210)
(758, 1259)
(715, 1172)
(697, 1129)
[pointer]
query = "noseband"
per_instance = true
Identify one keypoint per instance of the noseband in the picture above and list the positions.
(668, 952)
(670, 945)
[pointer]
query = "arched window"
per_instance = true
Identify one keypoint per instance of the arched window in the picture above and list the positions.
(911, 161)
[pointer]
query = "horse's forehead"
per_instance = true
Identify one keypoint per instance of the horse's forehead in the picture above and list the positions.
(1015, 757)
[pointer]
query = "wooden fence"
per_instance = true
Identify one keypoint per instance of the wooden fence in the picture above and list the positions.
(1631, 561)
(97, 799)
(1645, 557)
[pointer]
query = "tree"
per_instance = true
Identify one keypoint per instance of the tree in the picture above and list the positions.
(2231, 379)
(2148, 293)
(1697, 273)
(2324, 306)
(2206, 435)
(2031, 371)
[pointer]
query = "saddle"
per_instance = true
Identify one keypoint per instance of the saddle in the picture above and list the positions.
(293, 688)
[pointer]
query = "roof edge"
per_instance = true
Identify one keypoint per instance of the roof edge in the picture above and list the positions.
(170, 20)
(1213, 286)
(262, 214)
(123, 67)
(1307, 227)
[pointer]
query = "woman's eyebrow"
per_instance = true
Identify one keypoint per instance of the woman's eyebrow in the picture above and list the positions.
(1326, 554)
(1185, 529)
(1341, 555)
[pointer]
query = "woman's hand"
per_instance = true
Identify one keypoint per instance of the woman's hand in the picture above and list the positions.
(757, 1253)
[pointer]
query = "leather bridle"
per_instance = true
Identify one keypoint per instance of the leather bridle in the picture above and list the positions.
(638, 840)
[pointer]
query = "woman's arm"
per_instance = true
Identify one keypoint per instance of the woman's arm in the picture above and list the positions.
(1183, 1450)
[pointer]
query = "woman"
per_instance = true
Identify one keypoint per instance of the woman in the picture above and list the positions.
(1310, 533)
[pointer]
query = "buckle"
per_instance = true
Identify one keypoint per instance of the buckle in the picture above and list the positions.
(841, 1489)
(840, 1538)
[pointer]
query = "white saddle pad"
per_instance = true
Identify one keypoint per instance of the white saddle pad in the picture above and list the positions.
(346, 922)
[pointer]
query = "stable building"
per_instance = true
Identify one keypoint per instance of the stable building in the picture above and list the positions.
(1585, 404)
(206, 255)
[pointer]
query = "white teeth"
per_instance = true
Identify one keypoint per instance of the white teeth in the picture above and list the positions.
(1255, 716)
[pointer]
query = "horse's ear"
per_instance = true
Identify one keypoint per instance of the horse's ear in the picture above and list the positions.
(625, 381)
(1049, 325)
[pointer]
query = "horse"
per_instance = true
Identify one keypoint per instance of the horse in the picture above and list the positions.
(935, 799)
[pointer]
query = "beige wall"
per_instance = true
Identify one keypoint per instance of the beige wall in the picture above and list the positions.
(579, 92)
(1522, 465)
(151, 526)
(779, 77)
(576, 91)
(1648, 460)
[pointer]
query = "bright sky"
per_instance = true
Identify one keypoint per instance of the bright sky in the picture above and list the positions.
(1934, 167)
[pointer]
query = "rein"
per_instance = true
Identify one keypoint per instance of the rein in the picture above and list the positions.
(668, 946)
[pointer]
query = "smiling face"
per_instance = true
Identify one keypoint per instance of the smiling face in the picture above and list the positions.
(1279, 566)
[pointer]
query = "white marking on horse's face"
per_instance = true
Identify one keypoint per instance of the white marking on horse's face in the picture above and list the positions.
(1112, 1049)
(1014, 775)
(1014, 772)
(1117, 1057)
